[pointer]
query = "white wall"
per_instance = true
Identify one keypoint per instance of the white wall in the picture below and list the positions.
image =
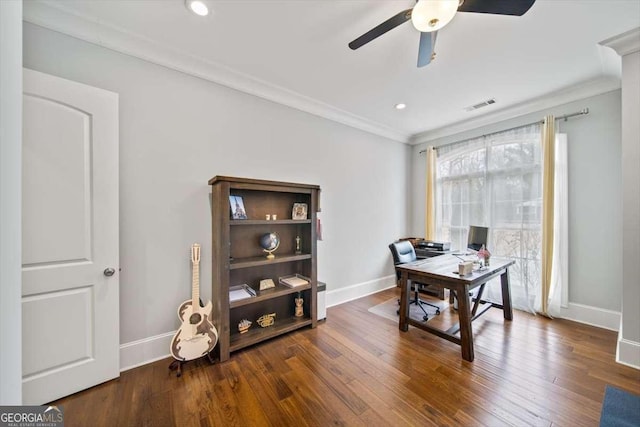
(178, 131)
(630, 333)
(595, 195)
(627, 45)
(10, 202)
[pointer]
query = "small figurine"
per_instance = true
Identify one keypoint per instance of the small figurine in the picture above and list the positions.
(299, 310)
(244, 325)
(298, 250)
(266, 320)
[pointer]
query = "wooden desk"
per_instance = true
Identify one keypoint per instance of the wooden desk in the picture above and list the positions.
(440, 272)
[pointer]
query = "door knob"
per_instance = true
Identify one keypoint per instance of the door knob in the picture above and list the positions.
(109, 272)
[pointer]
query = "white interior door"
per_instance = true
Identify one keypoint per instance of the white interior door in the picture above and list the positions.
(70, 307)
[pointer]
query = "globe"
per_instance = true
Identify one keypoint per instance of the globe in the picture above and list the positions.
(269, 242)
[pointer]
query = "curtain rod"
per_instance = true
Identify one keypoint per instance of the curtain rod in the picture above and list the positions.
(582, 112)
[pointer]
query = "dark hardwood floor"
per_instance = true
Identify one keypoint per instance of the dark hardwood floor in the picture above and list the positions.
(358, 369)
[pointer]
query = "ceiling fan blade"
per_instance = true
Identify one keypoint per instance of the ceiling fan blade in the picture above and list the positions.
(427, 45)
(376, 32)
(498, 7)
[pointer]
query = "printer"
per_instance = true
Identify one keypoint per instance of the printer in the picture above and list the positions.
(433, 246)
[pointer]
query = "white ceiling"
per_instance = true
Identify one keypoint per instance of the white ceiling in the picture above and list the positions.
(295, 52)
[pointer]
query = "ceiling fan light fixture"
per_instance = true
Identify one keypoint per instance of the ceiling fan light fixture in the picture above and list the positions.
(432, 15)
(198, 7)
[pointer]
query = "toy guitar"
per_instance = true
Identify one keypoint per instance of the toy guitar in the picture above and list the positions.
(197, 335)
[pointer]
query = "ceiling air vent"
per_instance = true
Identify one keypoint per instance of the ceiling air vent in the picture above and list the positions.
(481, 104)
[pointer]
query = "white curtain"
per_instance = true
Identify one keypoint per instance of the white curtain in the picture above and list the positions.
(495, 181)
(560, 264)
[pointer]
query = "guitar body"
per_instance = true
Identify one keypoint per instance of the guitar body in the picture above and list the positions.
(194, 340)
(197, 335)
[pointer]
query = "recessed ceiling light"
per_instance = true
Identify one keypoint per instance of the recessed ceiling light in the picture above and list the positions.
(197, 6)
(400, 106)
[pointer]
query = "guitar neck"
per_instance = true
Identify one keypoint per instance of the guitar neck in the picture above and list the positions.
(195, 286)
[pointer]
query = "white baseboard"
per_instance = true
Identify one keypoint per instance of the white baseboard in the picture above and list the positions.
(147, 350)
(628, 353)
(349, 293)
(594, 316)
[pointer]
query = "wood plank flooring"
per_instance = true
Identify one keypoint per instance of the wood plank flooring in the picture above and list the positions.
(358, 369)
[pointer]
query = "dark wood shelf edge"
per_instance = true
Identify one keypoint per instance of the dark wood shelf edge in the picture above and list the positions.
(258, 334)
(257, 261)
(235, 182)
(268, 222)
(267, 294)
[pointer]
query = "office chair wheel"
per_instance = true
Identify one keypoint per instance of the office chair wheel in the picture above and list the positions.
(425, 317)
(438, 312)
(398, 311)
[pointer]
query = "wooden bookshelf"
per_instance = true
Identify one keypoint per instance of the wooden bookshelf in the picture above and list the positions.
(239, 259)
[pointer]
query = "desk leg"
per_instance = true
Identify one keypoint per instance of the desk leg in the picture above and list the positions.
(466, 333)
(404, 301)
(506, 295)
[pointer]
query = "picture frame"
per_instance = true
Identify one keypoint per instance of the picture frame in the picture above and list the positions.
(237, 207)
(299, 211)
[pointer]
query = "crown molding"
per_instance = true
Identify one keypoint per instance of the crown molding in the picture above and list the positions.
(584, 90)
(625, 43)
(56, 17)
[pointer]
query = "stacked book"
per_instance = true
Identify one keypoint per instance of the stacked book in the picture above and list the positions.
(240, 292)
(293, 281)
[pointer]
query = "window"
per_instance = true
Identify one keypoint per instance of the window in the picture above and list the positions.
(495, 181)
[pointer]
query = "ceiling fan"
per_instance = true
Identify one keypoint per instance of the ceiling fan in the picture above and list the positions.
(429, 16)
